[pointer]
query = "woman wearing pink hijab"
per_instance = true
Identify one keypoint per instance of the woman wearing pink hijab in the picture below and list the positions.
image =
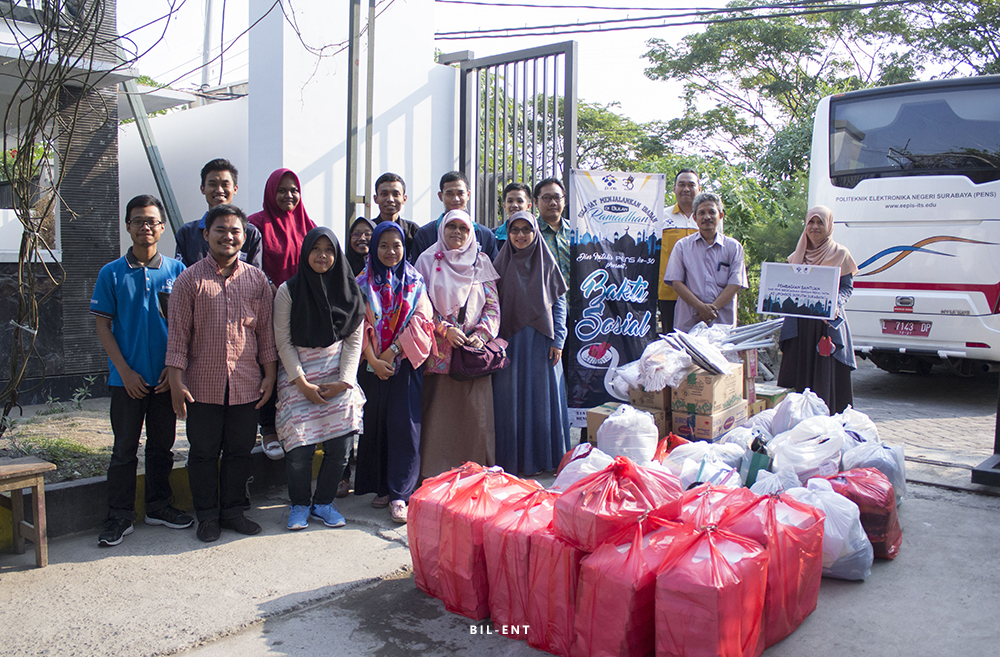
(283, 225)
(816, 353)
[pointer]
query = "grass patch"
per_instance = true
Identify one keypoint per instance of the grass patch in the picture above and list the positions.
(72, 460)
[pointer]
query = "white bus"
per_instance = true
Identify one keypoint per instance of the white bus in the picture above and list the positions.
(912, 174)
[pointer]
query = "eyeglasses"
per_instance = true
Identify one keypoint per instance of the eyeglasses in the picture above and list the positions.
(527, 230)
(549, 198)
(148, 223)
(366, 234)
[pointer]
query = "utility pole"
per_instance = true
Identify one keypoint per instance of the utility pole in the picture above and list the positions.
(206, 48)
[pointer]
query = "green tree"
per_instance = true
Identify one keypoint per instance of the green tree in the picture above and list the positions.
(608, 140)
(746, 81)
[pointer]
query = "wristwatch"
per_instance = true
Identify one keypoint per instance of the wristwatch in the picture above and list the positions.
(394, 347)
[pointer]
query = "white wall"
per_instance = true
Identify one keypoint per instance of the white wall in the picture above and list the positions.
(187, 140)
(296, 116)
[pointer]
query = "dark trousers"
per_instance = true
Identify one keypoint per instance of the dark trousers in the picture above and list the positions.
(218, 489)
(298, 471)
(267, 414)
(127, 418)
(666, 315)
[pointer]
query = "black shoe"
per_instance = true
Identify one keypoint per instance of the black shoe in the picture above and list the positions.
(168, 516)
(115, 529)
(240, 524)
(209, 530)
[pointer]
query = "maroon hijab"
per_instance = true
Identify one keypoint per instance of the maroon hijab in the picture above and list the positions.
(282, 233)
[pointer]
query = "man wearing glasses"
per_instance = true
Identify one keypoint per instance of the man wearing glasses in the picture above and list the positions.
(129, 306)
(550, 199)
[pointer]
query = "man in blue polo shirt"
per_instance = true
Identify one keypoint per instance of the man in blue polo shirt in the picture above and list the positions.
(454, 195)
(130, 307)
(219, 185)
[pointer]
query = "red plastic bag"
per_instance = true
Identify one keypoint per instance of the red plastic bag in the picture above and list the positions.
(871, 490)
(554, 572)
(792, 532)
(578, 452)
(507, 544)
(667, 444)
(704, 504)
(710, 595)
(462, 560)
(423, 522)
(617, 586)
(598, 506)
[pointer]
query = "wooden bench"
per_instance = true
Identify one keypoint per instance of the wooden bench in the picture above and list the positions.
(15, 476)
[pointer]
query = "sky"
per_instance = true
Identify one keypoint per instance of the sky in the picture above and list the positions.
(610, 69)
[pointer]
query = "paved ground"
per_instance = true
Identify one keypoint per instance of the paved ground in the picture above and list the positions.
(349, 591)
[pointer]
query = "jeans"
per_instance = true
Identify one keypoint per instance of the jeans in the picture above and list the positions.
(267, 414)
(218, 489)
(127, 417)
(298, 471)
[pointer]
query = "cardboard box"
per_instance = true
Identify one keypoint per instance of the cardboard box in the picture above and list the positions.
(596, 417)
(661, 419)
(709, 427)
(771, 394)
(702, 393)
(749, 374)
(639, 397)
(756, 407)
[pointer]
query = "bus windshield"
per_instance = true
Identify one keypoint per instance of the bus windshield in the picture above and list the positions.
(952, 131)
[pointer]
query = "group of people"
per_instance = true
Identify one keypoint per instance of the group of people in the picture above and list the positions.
(267, 320)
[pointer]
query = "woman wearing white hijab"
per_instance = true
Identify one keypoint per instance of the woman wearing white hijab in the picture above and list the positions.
(461, 283)
(529, 397)
(816, 353)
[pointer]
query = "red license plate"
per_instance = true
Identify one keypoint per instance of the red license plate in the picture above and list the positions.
(902, 327)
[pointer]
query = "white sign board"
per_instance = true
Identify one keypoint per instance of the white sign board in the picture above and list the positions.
(798, 290)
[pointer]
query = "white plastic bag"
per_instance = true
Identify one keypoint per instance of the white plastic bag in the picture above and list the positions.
(728, 453)
(628, 432)
(888, 459)
(593, 462)
(764, 420)
(742, 436)
(795, 408)
(847, 552)
(663, 366)
(812, 448)
(771, 483)
(716, 473)
(859, 427)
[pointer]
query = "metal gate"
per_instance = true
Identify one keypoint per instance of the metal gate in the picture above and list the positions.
(517, 122)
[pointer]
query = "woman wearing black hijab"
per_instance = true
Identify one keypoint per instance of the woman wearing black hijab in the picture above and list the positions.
(318, 316)
(358, 243)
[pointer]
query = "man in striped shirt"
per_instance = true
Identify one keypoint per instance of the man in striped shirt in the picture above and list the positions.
(220, 339)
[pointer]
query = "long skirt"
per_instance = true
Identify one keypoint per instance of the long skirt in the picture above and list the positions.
(388, 460)
(299, 421)
(802, 366)
(458, 423)
(529, 402)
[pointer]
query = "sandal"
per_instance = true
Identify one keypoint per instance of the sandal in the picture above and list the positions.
(344, 488)
(397, 508)
(272, 447)
(380, 502)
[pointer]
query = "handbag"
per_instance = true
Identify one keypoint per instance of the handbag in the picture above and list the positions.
(468, 363)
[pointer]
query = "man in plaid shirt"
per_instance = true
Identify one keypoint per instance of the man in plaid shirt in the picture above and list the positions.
(220, 338)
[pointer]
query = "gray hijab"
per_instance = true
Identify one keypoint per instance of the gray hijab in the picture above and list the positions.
(530, 283)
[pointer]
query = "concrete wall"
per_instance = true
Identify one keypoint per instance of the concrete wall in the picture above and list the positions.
(296, 116)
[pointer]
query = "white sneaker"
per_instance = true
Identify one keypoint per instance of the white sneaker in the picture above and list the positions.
(397, 508)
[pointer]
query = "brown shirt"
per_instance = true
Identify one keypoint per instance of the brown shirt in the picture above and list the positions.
(220, 330)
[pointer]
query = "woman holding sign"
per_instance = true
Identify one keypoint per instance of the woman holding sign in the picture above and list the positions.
(816, 353)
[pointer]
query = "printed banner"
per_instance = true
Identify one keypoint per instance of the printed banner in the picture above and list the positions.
(808, 291)
(615, 223)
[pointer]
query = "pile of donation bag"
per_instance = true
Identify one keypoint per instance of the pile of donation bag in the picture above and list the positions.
(654, 545)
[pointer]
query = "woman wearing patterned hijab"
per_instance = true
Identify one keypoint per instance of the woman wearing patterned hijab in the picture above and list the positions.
(816, 353)
(399, 335)
(318, 317)
(529, 397)
(458, 423)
